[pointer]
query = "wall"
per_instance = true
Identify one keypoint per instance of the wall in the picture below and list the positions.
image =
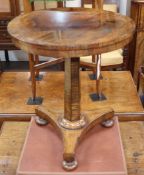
(125, 7)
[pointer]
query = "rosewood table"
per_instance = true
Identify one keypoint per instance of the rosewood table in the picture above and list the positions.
(70, 34)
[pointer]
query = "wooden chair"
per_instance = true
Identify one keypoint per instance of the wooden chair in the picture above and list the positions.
(111, 60)
(34, 64)
(96, 62)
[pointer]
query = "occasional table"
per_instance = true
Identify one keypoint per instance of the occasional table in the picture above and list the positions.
(70, 34)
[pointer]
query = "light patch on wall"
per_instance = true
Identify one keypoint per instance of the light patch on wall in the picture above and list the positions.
(18, 55)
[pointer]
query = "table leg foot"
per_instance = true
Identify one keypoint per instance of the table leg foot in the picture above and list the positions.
(36, 101)
(108, 123)
(97, 97)
(69, 166)
(41, 121)
(37, 78)
(93, 76)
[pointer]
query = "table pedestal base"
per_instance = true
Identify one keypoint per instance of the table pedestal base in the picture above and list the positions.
(72, 132)
(99, 153)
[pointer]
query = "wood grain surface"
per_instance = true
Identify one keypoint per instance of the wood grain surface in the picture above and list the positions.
(72, 102)
(71, 138)
(69, 33)
(132, 136)
(11, 143)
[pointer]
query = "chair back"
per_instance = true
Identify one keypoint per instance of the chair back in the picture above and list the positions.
(110, 5)
(30, 5)
(97, 4)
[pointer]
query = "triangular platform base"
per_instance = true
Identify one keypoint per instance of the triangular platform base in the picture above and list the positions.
(100, 153)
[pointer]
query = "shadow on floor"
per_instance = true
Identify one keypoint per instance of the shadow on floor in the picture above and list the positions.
(22, 66)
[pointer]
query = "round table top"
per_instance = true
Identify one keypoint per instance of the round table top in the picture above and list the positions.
(69, 33)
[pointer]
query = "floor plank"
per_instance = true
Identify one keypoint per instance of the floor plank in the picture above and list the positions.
(133, 141)
(11, 142)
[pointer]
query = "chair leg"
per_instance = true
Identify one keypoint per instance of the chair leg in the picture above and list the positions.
(62, 66)
(94, 72)
(94, 58)
(6, 55)
(1, 66)
(32, 71)
(83, 69)
(38, 77)
(93, 75)
(138, 78)
(34, 100)
(98, 77)
(36, 62)
(126, 58)
(98, 96)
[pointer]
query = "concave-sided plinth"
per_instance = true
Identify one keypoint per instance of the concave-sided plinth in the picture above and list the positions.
(100, 153)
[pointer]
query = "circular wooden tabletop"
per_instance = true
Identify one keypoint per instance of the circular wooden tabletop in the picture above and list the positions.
(68, 33)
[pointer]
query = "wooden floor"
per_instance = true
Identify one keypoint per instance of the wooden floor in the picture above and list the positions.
(15, 89)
